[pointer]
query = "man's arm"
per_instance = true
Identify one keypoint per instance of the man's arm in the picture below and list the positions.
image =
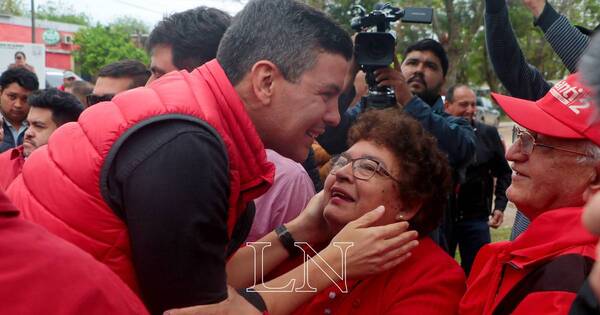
(566, 40)
(521, 79)
(171, 184)
(454, 135)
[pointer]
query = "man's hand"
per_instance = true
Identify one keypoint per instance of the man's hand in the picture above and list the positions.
(496, 219)
(375, 248)
(393, 77)
(535, 6)
(233, 305)
(310, 226)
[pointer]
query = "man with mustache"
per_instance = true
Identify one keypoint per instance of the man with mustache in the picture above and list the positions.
(15, 85)
(49, 110)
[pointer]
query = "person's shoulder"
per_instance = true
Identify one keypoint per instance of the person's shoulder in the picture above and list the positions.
(286, 168)
(33, 252)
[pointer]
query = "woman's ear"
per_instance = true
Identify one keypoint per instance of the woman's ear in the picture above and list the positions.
(408, 212)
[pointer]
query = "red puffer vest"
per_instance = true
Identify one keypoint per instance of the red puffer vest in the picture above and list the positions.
(62, 183)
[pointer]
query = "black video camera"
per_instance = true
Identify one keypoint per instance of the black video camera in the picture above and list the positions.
(374, 45)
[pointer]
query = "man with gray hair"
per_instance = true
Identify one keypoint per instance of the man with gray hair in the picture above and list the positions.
(160, 186)
(555, 161)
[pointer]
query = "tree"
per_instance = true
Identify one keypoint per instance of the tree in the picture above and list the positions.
(59, 11)
(458, 25)
(12, 7)
(101, 45)
(131, 25)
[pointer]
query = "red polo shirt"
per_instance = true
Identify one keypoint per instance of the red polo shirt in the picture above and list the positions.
(42, 274)
(11, 164)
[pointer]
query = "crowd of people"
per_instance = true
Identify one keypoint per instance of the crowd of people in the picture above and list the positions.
(228, 175)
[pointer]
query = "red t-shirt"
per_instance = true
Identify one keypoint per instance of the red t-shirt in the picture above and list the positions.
(42, 274)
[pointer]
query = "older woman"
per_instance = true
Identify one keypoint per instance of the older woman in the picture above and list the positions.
(394, 163)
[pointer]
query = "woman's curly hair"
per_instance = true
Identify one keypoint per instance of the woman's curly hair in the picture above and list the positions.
(424, 172)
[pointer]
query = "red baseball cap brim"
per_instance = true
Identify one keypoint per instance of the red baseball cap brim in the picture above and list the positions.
(528, 114)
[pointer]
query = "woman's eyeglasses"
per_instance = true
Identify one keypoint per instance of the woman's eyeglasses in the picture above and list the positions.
(362, 168)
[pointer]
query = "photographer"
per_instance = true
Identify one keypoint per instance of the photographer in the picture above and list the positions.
(417, 84)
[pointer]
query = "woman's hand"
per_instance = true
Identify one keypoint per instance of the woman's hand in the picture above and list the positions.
(375, 248)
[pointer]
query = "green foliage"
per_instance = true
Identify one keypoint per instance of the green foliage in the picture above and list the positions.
(12, 7)
(458, 25)
(59, 11)
(100, 45)
(131, 25)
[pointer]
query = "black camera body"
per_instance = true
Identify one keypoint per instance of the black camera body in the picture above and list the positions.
(374, 45)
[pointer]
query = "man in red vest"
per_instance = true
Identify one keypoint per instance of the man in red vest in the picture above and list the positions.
(157, 184)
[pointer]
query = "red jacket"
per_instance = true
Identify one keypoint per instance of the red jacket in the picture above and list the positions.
(11, 163)
(61, 186)
(498, 267)
(42, 274)
(429, 283)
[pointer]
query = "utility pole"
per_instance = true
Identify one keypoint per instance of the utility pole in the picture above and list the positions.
(32, 21)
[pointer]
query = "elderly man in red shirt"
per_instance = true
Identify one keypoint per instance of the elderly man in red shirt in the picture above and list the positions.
(556, 160)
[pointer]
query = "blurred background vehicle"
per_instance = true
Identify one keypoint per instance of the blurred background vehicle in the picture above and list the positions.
(486, 112)
(54, 77)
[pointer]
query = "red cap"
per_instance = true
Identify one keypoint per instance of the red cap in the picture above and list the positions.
(567, 111)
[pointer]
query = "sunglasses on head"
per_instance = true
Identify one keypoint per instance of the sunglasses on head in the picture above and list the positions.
(93, 99)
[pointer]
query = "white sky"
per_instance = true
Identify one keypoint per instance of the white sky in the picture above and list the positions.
(149, 11)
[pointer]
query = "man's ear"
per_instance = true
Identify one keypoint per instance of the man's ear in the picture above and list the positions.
(263, 75)
(594, 186)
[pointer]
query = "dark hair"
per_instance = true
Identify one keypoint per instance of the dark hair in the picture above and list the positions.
(20, 53)
(64, 106)
(452, 89)
(288, 33)
(133, 69)
(424, 171)
(193, 35)
(23, 77)
(430, 45)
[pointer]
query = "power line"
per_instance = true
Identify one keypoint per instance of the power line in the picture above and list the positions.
(133, 5)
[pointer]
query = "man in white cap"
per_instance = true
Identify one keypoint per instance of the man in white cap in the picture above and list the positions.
(68, 78)
(556, 161)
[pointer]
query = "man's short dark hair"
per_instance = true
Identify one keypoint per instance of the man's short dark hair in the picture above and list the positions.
(290, 34)
(133, 69)
(23, 77)
(430, 45)
(64, 106)
(452, 89)
(20, 53)
(193, 35)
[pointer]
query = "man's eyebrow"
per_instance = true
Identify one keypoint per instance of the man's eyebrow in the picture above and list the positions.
(332, 86)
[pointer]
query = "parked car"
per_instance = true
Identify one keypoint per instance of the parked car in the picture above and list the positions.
(486, 113)
(54, 77)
